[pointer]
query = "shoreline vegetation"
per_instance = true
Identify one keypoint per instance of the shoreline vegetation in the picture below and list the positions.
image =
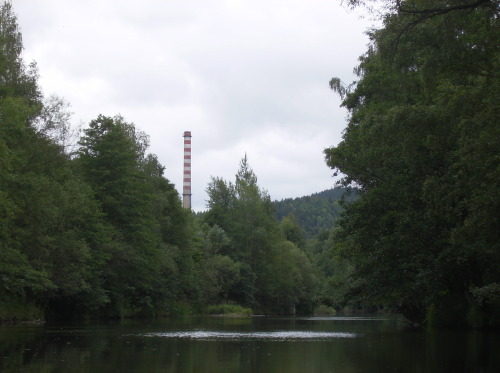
(229, 311)
(219, 311)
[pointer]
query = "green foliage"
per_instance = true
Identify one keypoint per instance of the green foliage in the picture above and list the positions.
(13, 309)
(229, 310)
(274, 274)
(99, 233)
(314, 213)
(291, 279)
(422, 146)
(292, 231)
(323, 310)
(151, 248)
(333, 272)
(488, 294)
(20, 169)
(219, 275)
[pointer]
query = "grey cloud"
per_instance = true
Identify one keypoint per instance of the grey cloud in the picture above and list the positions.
(244, 77)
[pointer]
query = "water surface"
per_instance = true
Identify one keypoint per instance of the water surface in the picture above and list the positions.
(259, 344)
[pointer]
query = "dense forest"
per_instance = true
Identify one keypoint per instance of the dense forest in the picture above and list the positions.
(93, 228)
(315, 213)
(422, 148)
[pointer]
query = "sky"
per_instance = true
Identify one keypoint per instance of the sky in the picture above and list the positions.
(245, 77)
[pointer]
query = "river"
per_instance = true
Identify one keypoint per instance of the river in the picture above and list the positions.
(258, 344)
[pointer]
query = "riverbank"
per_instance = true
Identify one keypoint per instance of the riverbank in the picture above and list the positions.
(12, 311)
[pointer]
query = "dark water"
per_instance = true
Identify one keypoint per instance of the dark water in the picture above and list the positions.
(263, 345)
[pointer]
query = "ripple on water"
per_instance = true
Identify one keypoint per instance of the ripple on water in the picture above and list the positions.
(277, 335)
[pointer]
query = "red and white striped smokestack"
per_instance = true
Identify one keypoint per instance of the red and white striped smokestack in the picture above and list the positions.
(186, 187)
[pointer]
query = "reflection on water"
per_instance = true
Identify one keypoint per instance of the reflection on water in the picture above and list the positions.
(273, 336)
(256, 345)
(345, 318)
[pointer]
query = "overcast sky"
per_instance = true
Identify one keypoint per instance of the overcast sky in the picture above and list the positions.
(244, 76)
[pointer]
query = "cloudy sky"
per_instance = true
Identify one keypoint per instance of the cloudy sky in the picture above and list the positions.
(243, 76)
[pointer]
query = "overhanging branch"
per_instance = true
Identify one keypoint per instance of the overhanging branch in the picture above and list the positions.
(437, 11)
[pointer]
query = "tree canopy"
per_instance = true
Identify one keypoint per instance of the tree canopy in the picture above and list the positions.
(315, 213)
(422, 146)
(100, 232)
(275, 275)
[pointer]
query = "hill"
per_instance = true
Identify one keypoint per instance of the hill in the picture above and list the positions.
(314, 213)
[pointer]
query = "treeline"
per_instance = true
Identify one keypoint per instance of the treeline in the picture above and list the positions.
(422, 145)
(96, 230)
(315, 213)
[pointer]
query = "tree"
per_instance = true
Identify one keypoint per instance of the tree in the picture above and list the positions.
(219, 275)
(292, 230)
(420, 147)
(257, 245)
(101, 232)
(316, 212)
(220, 203)
(109, 157)
(291, 279)
(112, 161)
(16, 272)
(50, 223)
(151, 253)
(54, 123)
(19, 103)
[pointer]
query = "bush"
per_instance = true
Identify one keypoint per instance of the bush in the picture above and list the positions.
(14, 310)
(323, 310)
(229, 310)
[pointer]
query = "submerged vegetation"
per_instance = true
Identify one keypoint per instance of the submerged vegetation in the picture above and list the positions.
(96, 230)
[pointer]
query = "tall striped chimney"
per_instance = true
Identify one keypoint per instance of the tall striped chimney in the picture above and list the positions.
(186, 187)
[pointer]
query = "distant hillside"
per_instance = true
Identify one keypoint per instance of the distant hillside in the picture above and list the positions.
(314, 213)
